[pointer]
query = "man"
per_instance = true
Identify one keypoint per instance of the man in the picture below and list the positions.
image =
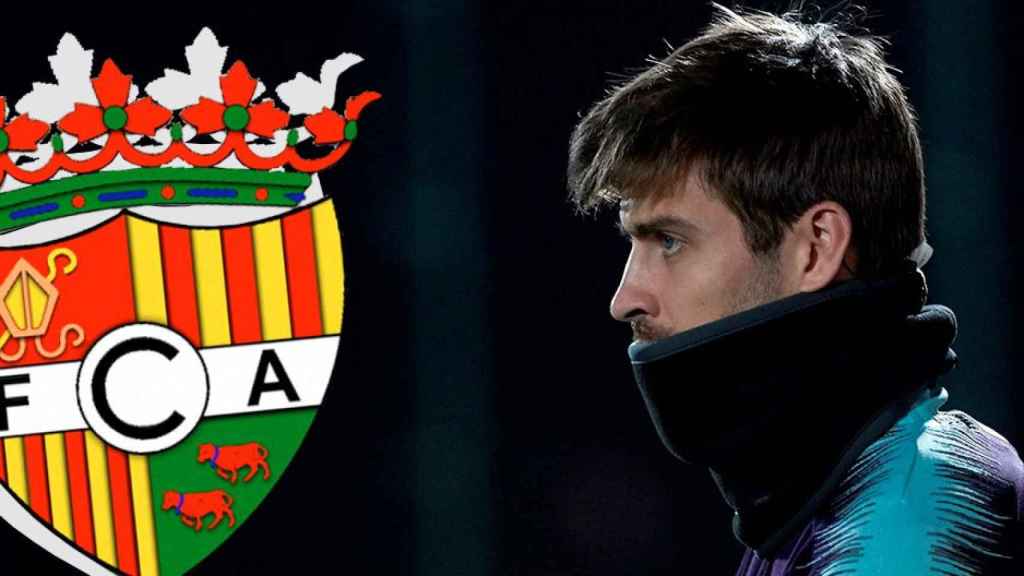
(769, 177)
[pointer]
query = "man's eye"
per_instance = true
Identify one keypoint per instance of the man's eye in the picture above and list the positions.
(670, 244)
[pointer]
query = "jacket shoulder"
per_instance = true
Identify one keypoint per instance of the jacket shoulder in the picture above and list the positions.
(940, 495)
(969, 455)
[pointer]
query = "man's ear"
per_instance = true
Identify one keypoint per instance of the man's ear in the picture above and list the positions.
(822, 237)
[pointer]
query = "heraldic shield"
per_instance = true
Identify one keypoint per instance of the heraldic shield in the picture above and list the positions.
(171, 303)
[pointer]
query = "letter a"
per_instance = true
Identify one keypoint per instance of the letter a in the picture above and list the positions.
(269, 359)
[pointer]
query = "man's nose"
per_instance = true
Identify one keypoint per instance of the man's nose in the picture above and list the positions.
(635, 295)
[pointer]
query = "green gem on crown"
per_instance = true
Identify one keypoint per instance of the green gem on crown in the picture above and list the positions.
(351, 130)
(236, 117)
(115, 118)
(5, 140)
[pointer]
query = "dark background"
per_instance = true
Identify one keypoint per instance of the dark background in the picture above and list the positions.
(483, 418)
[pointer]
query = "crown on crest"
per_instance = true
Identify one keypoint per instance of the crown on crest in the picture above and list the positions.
(202, 137)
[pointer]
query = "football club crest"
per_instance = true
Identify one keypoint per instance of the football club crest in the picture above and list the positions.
(171, 290)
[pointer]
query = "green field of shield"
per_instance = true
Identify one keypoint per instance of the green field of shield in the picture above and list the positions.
(282, 433)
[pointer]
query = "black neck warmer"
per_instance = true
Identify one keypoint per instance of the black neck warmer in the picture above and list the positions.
(778, 401)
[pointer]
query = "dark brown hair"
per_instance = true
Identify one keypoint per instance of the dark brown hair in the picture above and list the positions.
(778, 114)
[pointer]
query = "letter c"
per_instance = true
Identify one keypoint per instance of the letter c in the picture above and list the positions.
(99, 389)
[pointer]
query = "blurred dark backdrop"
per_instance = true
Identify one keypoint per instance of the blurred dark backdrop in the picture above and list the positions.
(483, 418)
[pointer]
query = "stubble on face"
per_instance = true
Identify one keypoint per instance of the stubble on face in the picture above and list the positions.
(645, 331)
(764, 286)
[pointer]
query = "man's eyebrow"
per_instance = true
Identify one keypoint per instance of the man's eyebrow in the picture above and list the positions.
(647, 228)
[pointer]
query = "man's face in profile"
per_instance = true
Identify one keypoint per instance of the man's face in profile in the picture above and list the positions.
(689, 263)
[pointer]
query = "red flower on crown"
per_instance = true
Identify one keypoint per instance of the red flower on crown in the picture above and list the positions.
(22, 133)
(237, 112)
(143, 116)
